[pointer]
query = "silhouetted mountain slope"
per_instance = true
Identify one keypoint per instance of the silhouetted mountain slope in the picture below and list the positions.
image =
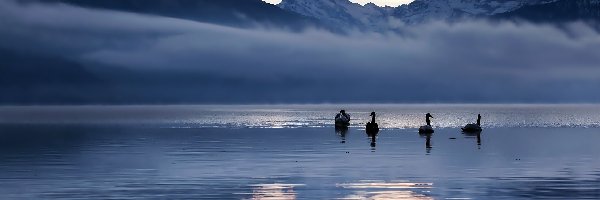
(30, 78)
(240, 13)
(560, 11)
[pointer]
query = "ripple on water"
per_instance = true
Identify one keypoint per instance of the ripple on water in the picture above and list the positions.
(391, 116)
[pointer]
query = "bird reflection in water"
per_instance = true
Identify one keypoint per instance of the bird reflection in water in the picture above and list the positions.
(428, 145)
(475, 135)
(372, 129)
(373, 138)
(341, 131)
(274, 191)
(379, 190)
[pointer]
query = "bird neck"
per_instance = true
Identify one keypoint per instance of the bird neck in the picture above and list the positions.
(373, 119)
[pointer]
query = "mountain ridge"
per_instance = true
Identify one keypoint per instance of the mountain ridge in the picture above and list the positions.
(556, 12)
(343, 13)
(340, 12)
(235, 13)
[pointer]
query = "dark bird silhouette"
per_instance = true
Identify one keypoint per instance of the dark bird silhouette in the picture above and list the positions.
(473, 128)
(427, 129)
(372, 127)
(427, 116)
(342, 119)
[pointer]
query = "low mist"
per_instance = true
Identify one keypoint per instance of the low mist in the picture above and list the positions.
(138, 58)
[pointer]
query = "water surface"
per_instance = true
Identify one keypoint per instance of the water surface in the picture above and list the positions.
(288, 152)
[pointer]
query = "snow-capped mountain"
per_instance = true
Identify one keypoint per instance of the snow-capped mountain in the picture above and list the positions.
(559, 11)
(424, 10)
(341, 13)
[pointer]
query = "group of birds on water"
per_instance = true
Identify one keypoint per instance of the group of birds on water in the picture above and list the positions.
(342, 120)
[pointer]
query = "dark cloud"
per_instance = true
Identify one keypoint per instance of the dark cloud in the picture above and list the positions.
(173, 60)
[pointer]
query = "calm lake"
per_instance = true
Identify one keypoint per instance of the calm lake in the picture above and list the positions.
(294, 152)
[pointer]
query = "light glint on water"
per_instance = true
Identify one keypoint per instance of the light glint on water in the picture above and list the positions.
(390, 116)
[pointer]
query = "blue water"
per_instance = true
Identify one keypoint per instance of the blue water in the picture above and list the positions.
(222, 152)
(394, 116)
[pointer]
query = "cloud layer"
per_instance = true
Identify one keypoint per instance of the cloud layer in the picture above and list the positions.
(188, 61)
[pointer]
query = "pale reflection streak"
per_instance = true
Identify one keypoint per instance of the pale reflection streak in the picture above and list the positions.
(392, 116)
(274, 191)
(383, 190)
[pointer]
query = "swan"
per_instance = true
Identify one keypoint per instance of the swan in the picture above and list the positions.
(473, 128)
(427, 129)
(372, 127)
(342, 119)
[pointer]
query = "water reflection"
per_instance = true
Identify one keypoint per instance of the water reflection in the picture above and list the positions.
(474, 135)
(376, 190)
(341, 131)
(372, 129)
(274, 191)
(373, 139)
(546, 187)
(294, 116)
(62, 162)
(427, 137)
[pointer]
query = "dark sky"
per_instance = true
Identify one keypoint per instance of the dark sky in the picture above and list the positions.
(192, 62)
